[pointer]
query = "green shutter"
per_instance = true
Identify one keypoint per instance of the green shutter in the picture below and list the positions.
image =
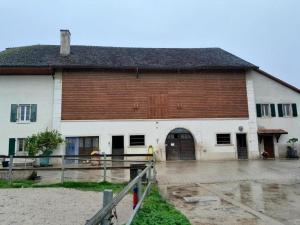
(11, 146)
(280, 111)
(273, 113)
(13, 113)
(258, 110)
(33, 112)
(294, 108)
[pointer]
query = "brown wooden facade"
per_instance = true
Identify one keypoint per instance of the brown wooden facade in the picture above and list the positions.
(115, 95)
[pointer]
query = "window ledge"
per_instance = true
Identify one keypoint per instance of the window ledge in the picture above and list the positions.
(23, 122)
(137, 146)
(221, 145)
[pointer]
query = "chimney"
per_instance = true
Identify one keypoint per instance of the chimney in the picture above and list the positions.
(65, 40)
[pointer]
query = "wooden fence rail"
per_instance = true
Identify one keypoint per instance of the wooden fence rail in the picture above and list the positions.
(81, 156)
(63, 166)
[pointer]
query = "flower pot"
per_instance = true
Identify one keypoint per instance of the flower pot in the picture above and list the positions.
(292, 153)
(5, 164)
(44, 161)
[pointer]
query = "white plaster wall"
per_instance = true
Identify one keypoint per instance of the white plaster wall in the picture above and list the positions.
(14, 89)
(267, 90)
(155, 131)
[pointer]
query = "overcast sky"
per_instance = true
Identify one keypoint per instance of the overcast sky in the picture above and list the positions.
(263, 32)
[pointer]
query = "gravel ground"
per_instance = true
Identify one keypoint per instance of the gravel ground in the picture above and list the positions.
(53, 206)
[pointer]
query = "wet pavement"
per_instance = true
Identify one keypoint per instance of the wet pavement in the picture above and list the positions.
(233, 192)
(114, 176)
(81, 174)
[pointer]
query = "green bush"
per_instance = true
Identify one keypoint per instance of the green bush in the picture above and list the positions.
(44, 142)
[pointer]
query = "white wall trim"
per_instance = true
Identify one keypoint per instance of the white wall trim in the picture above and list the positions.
(57, 101)
(175, 119)
(253, 147)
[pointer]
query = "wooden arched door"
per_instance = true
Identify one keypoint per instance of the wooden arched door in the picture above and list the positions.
(180, 145)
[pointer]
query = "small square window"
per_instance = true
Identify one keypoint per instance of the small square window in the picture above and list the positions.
(88, 144)
(21, 144)
(24, 113)
(265, 110)
(137, 140)
(223, 139)
(287, 110)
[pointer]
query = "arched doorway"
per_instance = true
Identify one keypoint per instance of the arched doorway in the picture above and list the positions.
(180, 145)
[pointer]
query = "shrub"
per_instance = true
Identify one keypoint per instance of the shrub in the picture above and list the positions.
(44, 142)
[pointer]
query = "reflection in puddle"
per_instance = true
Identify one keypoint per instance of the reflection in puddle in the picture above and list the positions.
(279, 201)
(270, 199)
(209, 209)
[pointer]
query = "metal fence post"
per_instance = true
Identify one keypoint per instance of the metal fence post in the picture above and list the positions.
(139, 185)
(149, 174)
(104, 165)
(154, 172)
(11, 159)
(107, 198)
(62, 169)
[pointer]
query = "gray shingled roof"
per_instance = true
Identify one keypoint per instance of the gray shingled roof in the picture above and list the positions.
(122, 58)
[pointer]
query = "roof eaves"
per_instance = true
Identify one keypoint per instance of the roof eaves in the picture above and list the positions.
(155, 68)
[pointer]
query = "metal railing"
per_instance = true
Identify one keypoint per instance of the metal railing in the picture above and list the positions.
(102, 159)
(104, 215)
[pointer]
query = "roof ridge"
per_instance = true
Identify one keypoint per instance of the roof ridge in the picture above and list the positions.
(125, 47)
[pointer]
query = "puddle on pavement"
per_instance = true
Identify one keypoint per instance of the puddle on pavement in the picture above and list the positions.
(208, 212)
(279, 201)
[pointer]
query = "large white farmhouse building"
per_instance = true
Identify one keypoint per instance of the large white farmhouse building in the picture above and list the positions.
(202, 104)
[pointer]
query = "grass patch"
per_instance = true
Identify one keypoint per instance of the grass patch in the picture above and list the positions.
(85, 186)
(16, 184)
(156, 211)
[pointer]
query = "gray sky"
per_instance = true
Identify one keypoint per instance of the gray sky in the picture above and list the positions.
(264, 32)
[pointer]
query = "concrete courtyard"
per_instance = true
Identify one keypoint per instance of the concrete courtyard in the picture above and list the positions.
(233, 192)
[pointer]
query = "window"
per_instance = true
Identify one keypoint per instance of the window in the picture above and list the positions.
(88, 144)
(286, 110)
(265, 110)
(24, 113)
(223, 139)
(21, 144)
(137, 140)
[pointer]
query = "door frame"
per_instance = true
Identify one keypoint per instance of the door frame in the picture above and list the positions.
(273, 144)
(194, 142)
(236, 143)
(111, 146)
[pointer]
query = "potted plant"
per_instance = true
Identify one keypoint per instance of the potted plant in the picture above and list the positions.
(291, 151)
(43, 143)
(4, 162)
